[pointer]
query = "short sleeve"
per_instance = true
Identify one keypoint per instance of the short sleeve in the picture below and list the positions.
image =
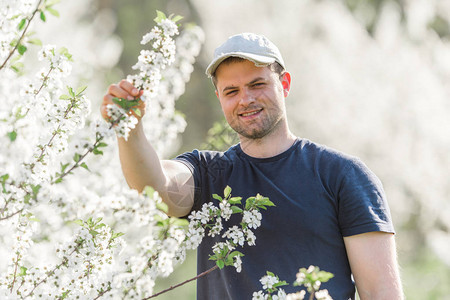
(362, 201)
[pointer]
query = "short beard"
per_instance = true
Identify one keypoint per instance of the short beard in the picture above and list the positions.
(256, 134)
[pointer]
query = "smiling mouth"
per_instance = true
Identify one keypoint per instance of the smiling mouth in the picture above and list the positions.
(250, 113)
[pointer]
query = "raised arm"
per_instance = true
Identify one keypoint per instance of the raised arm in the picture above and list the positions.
(373, 262)
(141, 165)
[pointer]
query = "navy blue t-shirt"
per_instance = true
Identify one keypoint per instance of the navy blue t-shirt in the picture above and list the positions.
(321, 195)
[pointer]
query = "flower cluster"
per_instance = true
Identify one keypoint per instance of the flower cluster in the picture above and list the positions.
(9, 22)
(310, 278)
(46, 134)
(209, 220)
(270, 283)
(150, 65)
(82, 264)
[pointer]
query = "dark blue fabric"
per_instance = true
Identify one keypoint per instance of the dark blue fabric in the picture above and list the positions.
(320, 195)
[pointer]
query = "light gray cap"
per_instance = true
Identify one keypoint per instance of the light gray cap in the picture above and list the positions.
(254, 47)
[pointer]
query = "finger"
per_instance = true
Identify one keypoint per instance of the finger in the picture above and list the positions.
(127, 86)
(116, 91)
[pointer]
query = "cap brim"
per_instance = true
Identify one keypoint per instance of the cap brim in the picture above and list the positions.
(259, 60)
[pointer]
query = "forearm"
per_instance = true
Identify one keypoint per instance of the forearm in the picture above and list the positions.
(140, 163)
(386, 292)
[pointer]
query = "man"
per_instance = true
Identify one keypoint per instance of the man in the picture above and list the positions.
(330, 209)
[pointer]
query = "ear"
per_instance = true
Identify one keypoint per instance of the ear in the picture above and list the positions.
(286, 83)
(217, 94)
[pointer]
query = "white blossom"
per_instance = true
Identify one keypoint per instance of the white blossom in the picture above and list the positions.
(236, 235)
(259, 295)
(296, 296)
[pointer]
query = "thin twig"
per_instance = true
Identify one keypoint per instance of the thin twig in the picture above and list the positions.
(77, 164)
(12, 215)
(21, 37)
(102, 293)
(50, 273)
(182, 283)
(15, 272)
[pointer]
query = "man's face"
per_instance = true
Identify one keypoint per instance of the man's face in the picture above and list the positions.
(252, 98)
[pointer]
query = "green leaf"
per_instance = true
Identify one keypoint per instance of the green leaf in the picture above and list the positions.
(99, 225)
(280, 283)
(212, 257)
(71, 92)
(53, 11)
(249, 202)
(235, 200)
(180, 222)
(97, 152)
(217, 197)
(35, 189)
(27, 198)
(65, 294)
(64, 97)
(149, 191)
(260, 200)
(324, 276)
(162, 207)
(23, 271)
(63, 167)
(42, 16)
(12, 135)
(116, 234)
(34, 219)
(159, 16)
(21, 49)
(76, 157)
(79, 222)
(80, 90)
(3, 179)
(22, 24)
(267, 202)
(93, 232)
(220, 264)
(101, 145)
(235, 253)
(118, 101)
(227, 192)
(83, 165)
(37, 42)
(17, 67)
(137, 111)
(236, 209)
(64, 51)
(176, 18)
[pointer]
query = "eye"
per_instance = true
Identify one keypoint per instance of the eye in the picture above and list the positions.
(258, 84)
(231, 93)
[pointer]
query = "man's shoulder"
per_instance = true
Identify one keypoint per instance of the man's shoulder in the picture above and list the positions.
(324, 152)
(209, 156)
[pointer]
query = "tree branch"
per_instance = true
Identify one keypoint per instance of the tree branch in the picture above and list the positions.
(23, 34)
(183, 283)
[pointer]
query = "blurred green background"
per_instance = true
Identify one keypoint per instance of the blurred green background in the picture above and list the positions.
(370, 77)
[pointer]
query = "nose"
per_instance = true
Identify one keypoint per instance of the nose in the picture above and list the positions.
(247, 97)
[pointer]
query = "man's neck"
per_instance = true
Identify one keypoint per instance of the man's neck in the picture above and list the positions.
(268, 146)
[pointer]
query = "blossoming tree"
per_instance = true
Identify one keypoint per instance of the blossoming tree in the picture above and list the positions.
(61, 228)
